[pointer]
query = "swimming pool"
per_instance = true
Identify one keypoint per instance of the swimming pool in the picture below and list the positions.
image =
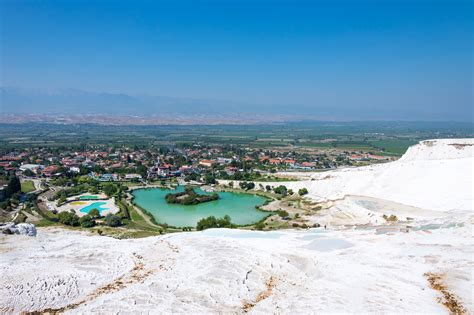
(88, 197)
(94, 205)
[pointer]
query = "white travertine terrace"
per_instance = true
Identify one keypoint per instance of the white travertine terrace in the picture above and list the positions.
(345, 270)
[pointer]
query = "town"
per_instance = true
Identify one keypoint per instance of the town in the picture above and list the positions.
(198, 163)
(61, 184)
(236, 157)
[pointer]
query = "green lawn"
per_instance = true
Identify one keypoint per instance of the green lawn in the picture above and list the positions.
(138, 222)
(394, 146)
(45, 223)
(27, 186)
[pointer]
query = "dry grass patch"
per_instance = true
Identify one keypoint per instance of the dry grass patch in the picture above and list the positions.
(270, 285)
(449, 299)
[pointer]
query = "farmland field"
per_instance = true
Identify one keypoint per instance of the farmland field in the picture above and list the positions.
(385, 138)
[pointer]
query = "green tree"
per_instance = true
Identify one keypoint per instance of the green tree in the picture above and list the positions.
(94, 213)
(86, 221)
(302, 191)
(282, 213)
(28, 173)
(212, 222)
(68, 218)
(62, 199)
(13, 186)
(260, 226)
(142, 170)
(281, 190)
(247, 185)
(209, 179)
(238, 176)
(113, 220)
(110, 190)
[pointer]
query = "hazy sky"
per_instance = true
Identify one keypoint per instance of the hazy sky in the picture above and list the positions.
(368, 54)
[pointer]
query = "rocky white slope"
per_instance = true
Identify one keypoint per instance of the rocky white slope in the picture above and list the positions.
(297, 272)
(433, 178)
(434, 174)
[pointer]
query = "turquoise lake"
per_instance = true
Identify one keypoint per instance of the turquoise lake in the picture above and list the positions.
(240, 207)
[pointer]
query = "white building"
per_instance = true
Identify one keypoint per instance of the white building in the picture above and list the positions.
(132, 176)
(32, 167)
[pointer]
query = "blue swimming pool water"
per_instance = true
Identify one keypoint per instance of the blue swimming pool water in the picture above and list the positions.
(94, 205)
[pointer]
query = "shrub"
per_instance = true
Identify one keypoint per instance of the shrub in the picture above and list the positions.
(86, 221)
(21, 217)
(282, 213)
(109, 189)
(113, 220)
(4, 204)
(391, 218)
(93, 190)
(281, 190)
(209, 179)
(94, 213)
(247, 185)
(302, 191)
(260, 226)
(212, 222)
(28, 173)
(68, 218)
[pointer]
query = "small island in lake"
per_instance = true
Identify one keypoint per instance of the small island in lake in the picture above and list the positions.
(189, 197)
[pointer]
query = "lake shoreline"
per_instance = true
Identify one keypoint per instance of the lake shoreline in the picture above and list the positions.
(150, 207)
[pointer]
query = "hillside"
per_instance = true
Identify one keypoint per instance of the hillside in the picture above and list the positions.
(432, 175)
(342, 270)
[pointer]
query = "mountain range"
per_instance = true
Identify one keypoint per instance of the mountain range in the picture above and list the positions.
(22, 101)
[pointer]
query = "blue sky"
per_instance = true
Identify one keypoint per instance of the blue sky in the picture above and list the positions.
(372, 55)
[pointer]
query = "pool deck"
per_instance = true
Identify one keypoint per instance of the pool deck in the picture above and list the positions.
(78, 197)
(109, 204)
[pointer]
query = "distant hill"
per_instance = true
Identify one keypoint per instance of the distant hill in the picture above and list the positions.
(72, 101)
(78, 102)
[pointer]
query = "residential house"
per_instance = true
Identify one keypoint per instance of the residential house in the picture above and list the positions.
(206, 163)
(49, 171)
